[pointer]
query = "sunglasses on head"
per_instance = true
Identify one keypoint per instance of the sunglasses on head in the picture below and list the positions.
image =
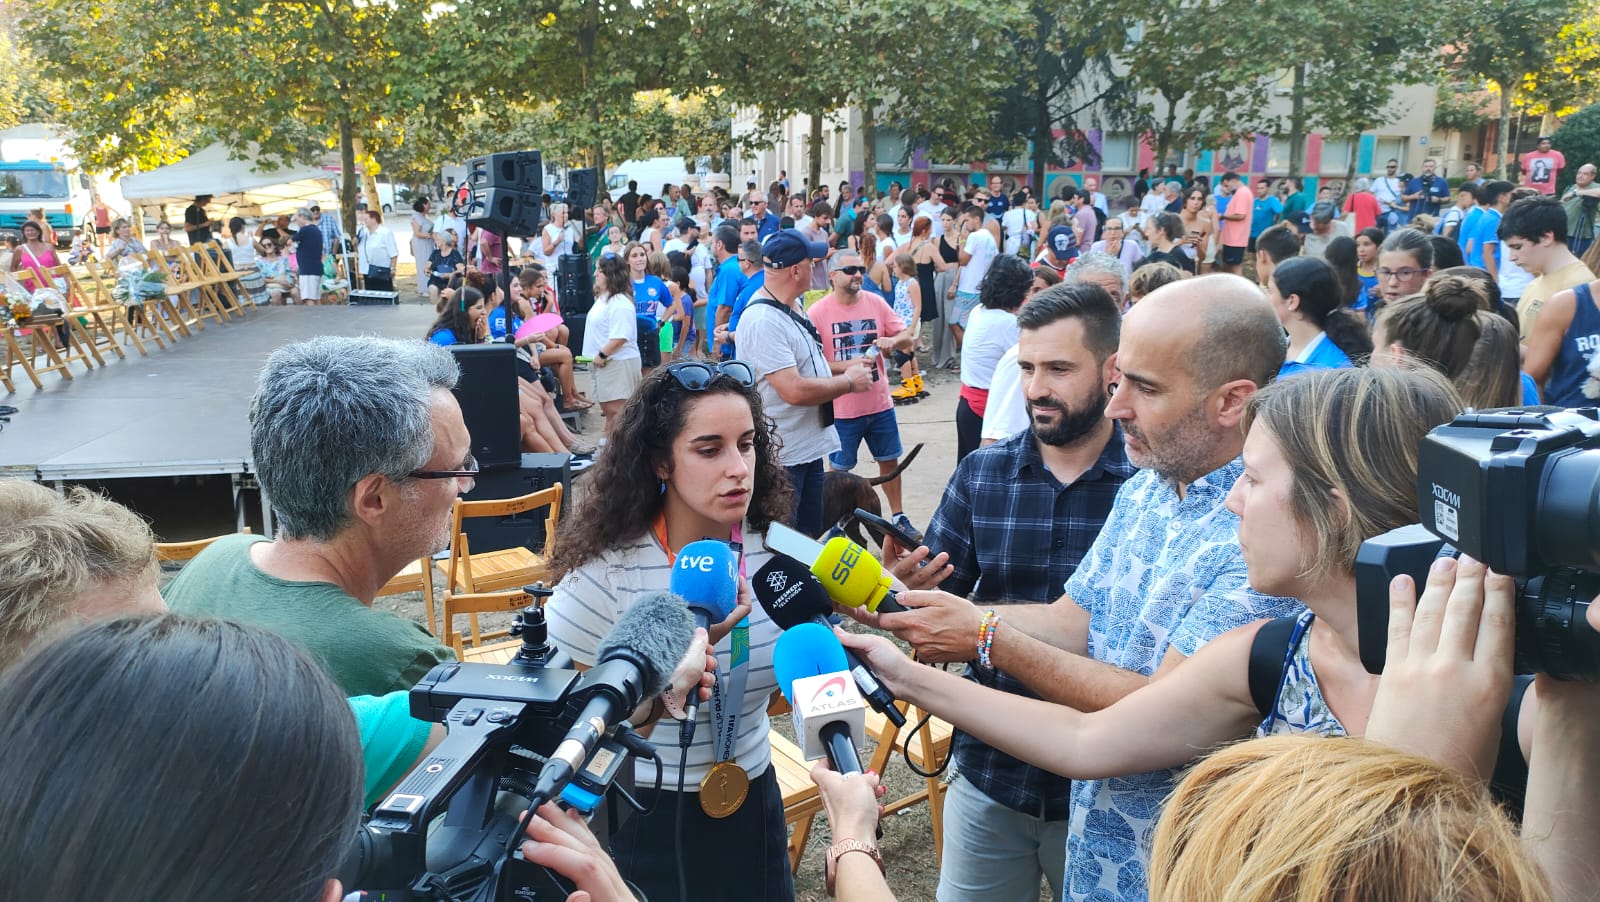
(697, 375)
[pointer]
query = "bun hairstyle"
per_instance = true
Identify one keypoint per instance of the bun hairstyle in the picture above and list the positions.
(1450, 327)
(1316, 285)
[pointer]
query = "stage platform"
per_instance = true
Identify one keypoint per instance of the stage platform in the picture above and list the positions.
(181, 411)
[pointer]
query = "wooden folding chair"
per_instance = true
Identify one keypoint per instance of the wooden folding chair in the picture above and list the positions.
(468, 573)
(95, 324)
(154, 319)
(472, 604)
(186, 551)
(416, 577)
(930, 746)
(802, 801)
(218, 266)
(180, 286)
(193, 259)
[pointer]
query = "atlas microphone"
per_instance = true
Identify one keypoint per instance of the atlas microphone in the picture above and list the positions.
(791, 596)
(851, 576)
(706, 575)
(809, 664)
(634, 662)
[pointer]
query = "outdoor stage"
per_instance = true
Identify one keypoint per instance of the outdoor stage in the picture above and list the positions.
(181, 411)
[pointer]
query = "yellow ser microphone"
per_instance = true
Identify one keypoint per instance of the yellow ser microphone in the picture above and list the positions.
(852, 576)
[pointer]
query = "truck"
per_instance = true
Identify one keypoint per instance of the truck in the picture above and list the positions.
(38, 170)
(651, 175)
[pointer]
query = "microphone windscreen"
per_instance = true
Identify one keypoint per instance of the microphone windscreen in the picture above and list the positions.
(807, 650)
(655, 632)
(706, 575)
(790, 593)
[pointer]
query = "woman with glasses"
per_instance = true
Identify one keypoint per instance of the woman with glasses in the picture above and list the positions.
(1405, 260)
(691, 457)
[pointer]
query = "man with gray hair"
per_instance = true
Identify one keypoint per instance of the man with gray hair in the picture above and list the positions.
(361, 449)
(308, 255)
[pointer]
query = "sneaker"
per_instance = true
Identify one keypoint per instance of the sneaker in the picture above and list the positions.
(904, 522)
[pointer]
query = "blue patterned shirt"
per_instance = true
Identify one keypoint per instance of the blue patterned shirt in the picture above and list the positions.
(1165, 573)
(1015, 533)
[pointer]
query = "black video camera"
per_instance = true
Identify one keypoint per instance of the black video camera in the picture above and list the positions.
(1520, 491)
(503, 721)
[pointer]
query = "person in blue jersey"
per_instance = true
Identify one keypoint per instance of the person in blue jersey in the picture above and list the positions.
(1323, 333)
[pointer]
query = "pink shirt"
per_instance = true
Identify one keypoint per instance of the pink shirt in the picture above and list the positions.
(1236, 232)
(1539, 170)
(847, 331)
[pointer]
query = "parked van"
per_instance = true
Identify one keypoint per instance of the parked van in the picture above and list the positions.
(651, 174)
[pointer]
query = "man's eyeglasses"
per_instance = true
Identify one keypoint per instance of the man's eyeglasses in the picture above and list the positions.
(469, 470)
(1401, 274)
(697, 375)
(851, 270)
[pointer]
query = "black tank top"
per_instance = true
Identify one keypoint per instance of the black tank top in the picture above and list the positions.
(948, 253)
(930, 308)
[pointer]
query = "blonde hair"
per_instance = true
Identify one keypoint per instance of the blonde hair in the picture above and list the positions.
(1318, 418)
(905, 263)
(53, 549)
(1149, 277)
(1308, 818)
(659, 265)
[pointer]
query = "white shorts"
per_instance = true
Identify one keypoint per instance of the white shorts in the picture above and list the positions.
(311, 289)
(616, 380)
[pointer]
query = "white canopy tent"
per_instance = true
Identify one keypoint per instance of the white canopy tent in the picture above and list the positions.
(236, 184)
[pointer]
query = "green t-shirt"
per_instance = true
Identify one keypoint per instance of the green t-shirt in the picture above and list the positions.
(1295, 204)
(365, 651)
(596, 243)
(391, 740)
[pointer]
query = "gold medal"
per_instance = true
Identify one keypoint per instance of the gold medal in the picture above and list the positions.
(724, 789)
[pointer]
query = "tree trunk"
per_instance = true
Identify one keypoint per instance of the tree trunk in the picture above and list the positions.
(1164, 140)
(347, 175)
(1350, 170)
(1297, 124)
(1043, 140)
(1503, 139)
(814, 146)
(869, 146)
(586, 60)
(369, 179)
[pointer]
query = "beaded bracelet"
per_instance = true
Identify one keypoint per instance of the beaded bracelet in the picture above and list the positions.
(991, 619)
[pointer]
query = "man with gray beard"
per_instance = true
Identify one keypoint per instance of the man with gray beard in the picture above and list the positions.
(1015, 520)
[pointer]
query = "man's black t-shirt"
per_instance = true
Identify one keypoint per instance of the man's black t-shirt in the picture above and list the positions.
(196, 216)
(308, 250)
(1175, 256)
(630, 206)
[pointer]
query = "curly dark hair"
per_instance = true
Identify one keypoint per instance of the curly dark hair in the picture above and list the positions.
(1007, 283)
(625, 493)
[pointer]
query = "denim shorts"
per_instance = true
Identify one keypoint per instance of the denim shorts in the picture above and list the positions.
(881, 430)
(966, 302)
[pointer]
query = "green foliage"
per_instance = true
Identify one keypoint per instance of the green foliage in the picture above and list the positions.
(1459, 108)
(1578, 139)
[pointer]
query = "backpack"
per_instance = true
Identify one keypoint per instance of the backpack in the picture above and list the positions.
(1269, 658)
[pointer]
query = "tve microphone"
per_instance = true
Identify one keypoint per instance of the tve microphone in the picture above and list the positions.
(851, 575)
(706, 574)
(634, 662)
(809, 664)
(792, 595)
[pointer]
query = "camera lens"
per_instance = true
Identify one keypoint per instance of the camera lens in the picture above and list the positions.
(1553, 632)
(1567, 520)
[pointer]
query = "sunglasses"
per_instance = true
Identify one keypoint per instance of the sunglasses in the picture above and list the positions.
(697, 375)
(469, 470)
(851, 270)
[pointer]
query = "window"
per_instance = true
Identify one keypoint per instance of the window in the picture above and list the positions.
(34, 183)
(1335, 155)
(1278, 149)
(1389, 149)
(1118, 153)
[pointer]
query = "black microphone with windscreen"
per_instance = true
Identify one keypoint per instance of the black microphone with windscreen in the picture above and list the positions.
(791, 595)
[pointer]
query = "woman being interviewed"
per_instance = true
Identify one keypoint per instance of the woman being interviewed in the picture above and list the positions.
(691, 457)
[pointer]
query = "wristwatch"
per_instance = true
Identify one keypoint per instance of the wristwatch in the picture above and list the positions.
(843, 847)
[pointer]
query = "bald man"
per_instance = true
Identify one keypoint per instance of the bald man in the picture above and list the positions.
(1163, 578)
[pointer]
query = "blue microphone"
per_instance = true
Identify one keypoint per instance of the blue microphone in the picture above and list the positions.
(706, 575)
(813, 673)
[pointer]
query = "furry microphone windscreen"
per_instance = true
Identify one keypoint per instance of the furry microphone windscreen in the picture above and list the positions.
(654, 633)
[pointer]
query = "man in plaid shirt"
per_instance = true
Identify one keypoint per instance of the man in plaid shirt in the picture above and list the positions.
(1015, 520)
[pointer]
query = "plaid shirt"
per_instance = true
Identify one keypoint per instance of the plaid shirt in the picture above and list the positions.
(1015, 533)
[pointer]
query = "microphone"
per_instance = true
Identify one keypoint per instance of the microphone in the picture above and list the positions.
(634, 662)
(792, 595)
(706, 575)
(809, 664)
(848, 572)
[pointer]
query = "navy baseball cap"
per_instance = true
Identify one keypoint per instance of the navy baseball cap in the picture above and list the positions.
(787, 247)
(685, 224)
(1060, 240)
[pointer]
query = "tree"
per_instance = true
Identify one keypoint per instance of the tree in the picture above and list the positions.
(1510, 42)
(1176, 71)
(1578, 139)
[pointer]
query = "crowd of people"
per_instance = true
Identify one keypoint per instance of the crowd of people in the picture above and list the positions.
(1175, 427)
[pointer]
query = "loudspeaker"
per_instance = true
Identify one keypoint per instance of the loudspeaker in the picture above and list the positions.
(533, 473)
(582, 186)
(505, 211)
(487, 393)
(521, 170)
(575, 287)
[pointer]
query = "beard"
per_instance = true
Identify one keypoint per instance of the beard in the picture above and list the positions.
(1074, 421)
(1181, 453)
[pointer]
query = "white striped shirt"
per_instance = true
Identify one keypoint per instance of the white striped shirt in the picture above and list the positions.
(589, 601)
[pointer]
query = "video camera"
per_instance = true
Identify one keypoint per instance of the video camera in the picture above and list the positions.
(1520, 491)
(504, 721)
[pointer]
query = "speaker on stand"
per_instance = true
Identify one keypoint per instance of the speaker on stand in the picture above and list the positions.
(487, 393)
(575, 294)
(506, 192)
(583, 185)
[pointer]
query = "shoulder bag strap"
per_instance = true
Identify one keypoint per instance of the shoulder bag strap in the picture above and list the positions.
(1269, 653)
